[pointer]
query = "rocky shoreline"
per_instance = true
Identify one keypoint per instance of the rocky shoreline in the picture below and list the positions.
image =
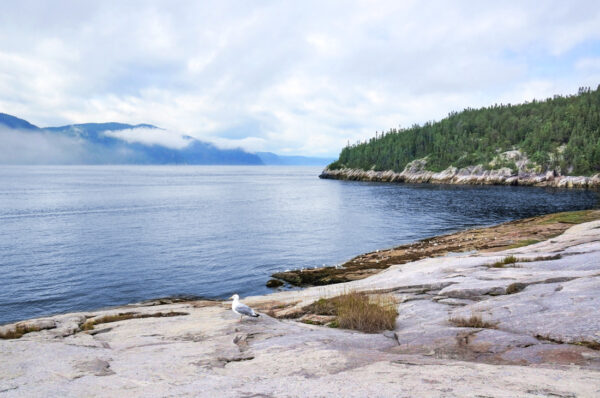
(504, 236)
(415, 173)
(540, 335)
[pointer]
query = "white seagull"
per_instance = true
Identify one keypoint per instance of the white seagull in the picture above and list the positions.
(241, 309)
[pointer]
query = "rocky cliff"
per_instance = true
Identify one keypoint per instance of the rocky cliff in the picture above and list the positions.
(416, 172)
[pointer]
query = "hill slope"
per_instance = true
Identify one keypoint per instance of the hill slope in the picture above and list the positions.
(196, 152)
(560, 134)
(109, 143)
(15, 123)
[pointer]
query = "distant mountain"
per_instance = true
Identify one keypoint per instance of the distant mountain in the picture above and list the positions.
(95, 132)
(121, 143)
(96, 143)
(196, 152)
(270, 158)
(93, 129)
(16, 123)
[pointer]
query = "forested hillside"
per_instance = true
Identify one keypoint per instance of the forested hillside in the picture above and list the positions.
(561, 133)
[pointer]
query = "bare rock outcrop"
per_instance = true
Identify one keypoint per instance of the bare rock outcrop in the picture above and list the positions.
(541, 308)
(467, 327)
(416, 172)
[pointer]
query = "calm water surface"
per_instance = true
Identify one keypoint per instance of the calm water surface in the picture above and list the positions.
(83, 237)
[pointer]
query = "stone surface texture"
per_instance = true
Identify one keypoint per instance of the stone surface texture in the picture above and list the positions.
(542, 339)
(415, 172)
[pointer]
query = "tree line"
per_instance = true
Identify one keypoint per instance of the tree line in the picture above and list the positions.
(560, 133)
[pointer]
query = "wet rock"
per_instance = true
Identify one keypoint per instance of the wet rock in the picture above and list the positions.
(274, 283)
(452, 245)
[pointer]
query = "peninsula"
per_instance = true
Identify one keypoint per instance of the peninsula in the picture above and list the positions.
(554, 143)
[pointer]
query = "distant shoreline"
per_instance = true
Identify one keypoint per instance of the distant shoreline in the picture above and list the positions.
(474, 175)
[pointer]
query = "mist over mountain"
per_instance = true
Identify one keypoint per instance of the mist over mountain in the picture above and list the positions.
(270, 158)
(119, 143)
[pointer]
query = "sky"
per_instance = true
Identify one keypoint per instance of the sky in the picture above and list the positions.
(288, 77)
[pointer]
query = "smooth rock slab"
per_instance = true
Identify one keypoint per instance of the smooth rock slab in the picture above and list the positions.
(208, 353)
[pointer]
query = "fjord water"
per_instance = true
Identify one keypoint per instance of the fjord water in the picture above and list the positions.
(84, 237)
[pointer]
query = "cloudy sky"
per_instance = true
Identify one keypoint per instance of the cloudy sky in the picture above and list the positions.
(290, 77)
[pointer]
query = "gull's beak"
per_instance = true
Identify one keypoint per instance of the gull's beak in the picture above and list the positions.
(231, 298)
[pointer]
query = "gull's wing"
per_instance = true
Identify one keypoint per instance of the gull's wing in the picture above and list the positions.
(243, 309)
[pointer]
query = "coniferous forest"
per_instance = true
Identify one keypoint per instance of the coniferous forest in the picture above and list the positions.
(560, 133)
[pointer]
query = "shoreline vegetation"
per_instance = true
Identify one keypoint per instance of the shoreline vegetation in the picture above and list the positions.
(508, 235)
(553, 142)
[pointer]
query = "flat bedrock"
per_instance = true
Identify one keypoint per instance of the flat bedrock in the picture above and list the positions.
(540, 339)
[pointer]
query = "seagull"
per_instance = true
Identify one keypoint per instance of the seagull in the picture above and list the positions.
(241, 309)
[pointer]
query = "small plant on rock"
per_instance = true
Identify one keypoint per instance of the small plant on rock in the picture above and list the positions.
(509, 261)
(18, 332)
(474, 321)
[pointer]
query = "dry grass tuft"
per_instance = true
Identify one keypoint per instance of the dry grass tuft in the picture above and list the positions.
(367, 313)
(358, 311)
(18, 332)
(474, 321)
(542, 258)
(310, 322)
(591, 344)
(90, 323)
(509, 261)
(594, 345)
(323, 306)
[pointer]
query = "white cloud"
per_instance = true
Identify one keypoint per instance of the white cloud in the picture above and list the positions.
(251, 144)
(150, 136)
(287, 77)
